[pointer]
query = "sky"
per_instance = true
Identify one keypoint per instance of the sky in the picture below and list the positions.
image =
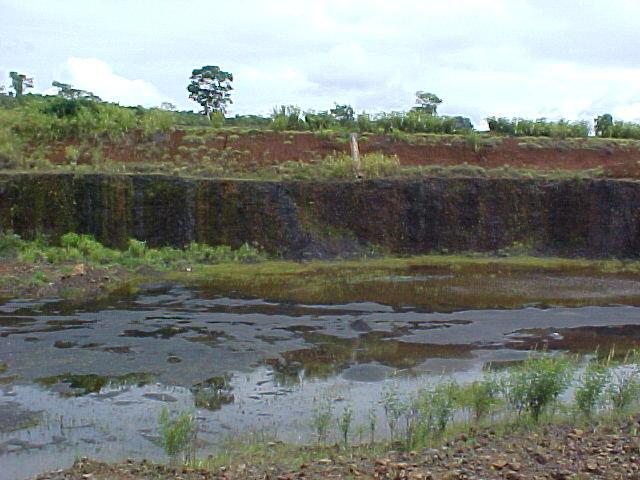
(527, 58)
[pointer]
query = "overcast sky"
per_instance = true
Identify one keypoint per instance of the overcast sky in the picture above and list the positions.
(529, 58)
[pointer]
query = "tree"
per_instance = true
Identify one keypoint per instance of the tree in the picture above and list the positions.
(67, 92)
(603, 124)
(168, 106)
(343, 114)
(210, 87)
(427, 102)
(20, 82)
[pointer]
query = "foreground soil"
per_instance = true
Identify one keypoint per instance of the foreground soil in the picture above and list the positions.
(39, 280)
(554, 452)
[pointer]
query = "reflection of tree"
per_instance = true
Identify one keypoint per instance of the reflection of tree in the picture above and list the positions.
(330, 355)
(92, 383)
(213, 393)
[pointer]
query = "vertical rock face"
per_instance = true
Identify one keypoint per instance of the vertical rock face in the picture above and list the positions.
(597, 218)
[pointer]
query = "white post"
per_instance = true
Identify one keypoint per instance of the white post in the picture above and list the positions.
(355, 156)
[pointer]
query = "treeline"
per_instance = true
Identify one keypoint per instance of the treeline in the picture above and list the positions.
(40, 119)
(602, 126)
(416, 120)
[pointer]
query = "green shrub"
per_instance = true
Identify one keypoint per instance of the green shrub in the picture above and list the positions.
(344, 424)
(624, 384)
(287, 117)
(393, 409)
(519, 127)
(479, 398)
(429, 412)
(136, 248)
(10, 245)
(178, 435)
(377, 165)
(592, 386)
(535, 384)
(321, 418)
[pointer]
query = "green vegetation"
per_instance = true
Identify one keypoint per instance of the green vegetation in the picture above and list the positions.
(210, 87)
(80, 248)
(321, 418)
(20, 83)
(591, 389)
(75, 131)
(30, 126)
(92, 383)
(544, 386)
(178, 435)
(536, 384)
(520, 127)
(441, 281)
(229, 164)
(603, 126)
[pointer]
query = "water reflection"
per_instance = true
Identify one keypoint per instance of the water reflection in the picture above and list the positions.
(92, 379)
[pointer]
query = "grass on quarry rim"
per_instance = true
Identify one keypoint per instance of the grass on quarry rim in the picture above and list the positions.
(373, 265)
(331, 168)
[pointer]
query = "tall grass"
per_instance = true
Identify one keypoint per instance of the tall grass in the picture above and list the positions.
(178, 435)
(592, 386)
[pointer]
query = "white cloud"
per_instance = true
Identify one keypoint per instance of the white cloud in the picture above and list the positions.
(97, 76)
(530, 58)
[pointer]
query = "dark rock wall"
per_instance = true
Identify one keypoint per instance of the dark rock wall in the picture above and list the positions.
(596, 218)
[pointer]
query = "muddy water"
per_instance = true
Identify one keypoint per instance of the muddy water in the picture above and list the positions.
(91, 380)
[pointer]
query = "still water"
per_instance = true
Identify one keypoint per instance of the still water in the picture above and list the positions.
(91, 380)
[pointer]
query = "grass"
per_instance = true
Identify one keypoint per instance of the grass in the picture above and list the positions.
(525, 397)
(321, 418)
(436, 281)
(178, 435)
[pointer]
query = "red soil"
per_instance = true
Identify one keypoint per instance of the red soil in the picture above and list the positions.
(271, 148)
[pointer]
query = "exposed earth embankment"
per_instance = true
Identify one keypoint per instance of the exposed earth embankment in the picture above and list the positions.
(573, 217)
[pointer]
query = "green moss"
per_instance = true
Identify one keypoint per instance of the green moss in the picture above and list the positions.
(442, 282)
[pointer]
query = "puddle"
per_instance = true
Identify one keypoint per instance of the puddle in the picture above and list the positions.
(91, 380)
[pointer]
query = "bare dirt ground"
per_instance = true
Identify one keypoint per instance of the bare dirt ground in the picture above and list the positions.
(45, 280)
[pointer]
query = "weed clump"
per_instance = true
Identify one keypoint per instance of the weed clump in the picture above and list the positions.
(178, 435)
(536, 384)
(321, 419)
(590, 393)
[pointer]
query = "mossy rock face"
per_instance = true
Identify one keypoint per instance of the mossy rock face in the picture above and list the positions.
(104, 207)
(37, 204)
(597, 218)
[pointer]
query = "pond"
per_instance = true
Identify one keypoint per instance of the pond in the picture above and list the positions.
(92, 379)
